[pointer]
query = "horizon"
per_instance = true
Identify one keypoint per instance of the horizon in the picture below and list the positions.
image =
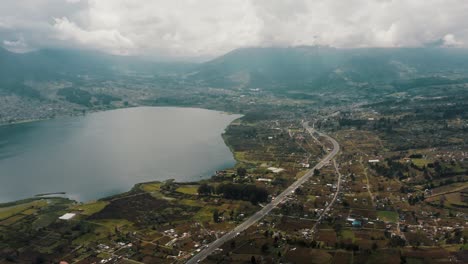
(163, 59)
(199, 30)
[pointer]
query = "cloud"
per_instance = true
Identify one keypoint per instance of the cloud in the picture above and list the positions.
(110, 40)
(450, 41)
(18, 45)
(190, 28)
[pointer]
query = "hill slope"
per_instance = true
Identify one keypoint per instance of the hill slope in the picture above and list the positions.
(304, 68)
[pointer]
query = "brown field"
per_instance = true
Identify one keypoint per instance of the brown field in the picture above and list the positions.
(308, 255)
(342, 257)
(293, 224)
(430, 254)
(328, 237)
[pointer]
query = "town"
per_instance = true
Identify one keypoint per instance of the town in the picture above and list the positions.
(376, 198)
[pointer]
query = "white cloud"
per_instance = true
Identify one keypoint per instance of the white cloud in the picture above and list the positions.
(18, 45)
(192, 28)
(109, 40)
(450, 41)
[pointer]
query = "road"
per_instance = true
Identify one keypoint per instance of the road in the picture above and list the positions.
(335, 196)
(267, 209)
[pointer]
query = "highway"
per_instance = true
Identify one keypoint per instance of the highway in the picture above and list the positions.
(274, 203)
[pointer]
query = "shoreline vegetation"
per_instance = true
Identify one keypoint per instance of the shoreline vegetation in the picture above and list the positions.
(50, 195)
(92, 111)
(89, 111)
(47, 194)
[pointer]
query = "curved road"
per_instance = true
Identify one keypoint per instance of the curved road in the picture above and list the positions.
(267, 209)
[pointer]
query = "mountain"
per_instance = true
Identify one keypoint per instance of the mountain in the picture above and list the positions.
(276, 69)
(71, 65)
(305, 68)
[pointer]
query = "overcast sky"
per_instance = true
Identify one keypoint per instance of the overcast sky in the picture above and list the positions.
(207, 28)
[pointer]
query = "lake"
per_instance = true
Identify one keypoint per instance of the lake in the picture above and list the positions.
(105, 153)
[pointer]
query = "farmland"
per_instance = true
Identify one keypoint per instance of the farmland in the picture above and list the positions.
(401, 198)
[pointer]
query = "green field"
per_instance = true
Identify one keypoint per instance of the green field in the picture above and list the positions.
(205, 214)
(420, 162)
(348, 234)
(188, 189)
(91, 208)
(9, 211)
(151, 187)
(388, 216)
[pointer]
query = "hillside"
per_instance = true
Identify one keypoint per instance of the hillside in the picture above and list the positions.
(312, 68)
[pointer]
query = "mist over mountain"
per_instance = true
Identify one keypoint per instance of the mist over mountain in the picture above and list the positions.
(17, 69)
(323, 67)
(277, 69)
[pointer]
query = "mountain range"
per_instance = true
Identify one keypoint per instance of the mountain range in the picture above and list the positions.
(276, 69)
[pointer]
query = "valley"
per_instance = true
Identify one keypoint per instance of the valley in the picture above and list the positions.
(394, 193)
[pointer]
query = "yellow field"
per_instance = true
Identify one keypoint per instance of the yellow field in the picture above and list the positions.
(151, 187)
(188, 189)
(420, 162)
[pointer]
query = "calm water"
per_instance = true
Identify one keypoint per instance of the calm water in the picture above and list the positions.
(106, 153)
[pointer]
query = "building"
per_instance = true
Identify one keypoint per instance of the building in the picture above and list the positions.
(357, 223)
(67, 216)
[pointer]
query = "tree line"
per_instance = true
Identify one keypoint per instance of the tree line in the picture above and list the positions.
(246, 192)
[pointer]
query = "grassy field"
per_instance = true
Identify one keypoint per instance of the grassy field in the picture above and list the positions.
(188, 189)
(420, 162)
(190, 202)
(388, 216)
(240, 156)
(91, 208)
(151, 187)
(348, 234)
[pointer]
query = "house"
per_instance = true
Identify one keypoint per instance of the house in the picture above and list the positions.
(357, 223)
(275, 170)
(264, 180)
(67, 216)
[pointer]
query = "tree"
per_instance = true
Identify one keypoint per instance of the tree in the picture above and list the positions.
(244, 192)
(265, 247)
(397, 241)
(241, 171)
(216, 216)
(253, 260)
(338, 227)
(205, 189)
(442, 201)
(316, 172)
